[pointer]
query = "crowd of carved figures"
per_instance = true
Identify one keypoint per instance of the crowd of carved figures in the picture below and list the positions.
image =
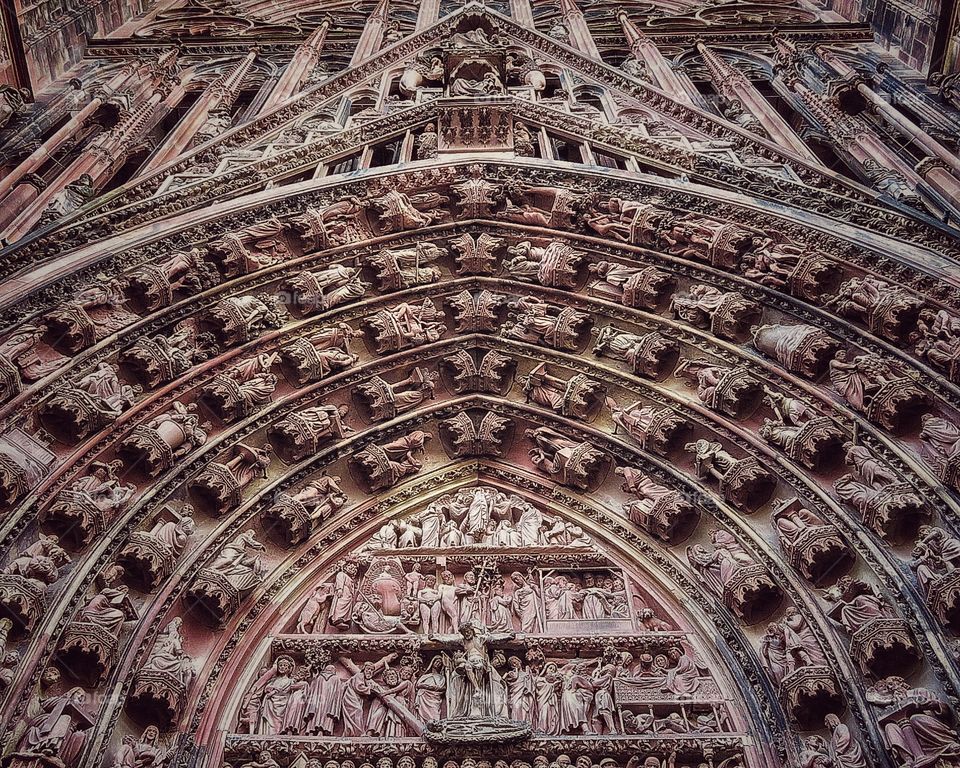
(287, 395)
(397, 695)
(410, 594)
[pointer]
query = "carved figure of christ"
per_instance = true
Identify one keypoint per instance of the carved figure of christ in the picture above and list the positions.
(473, 662)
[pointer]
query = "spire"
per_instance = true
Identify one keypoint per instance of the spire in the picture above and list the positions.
(630, 31)
(751, 110)
(372, 35)
(646, 51)
(723, 74)
(301, 65)
(576, 23)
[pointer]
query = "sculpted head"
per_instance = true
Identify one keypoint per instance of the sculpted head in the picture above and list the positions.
(50, 676)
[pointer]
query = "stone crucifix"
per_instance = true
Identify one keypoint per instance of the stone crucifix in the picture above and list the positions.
(474, 689)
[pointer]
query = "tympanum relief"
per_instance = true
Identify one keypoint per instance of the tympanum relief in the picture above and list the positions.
(482, 617)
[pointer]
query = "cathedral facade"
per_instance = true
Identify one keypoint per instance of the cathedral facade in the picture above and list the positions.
(398, 384)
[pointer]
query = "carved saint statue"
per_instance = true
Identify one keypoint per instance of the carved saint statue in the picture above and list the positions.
(239, 561)
(141, 752)
(916, 722)
(59, 727)
(168, 655)
(13, 101)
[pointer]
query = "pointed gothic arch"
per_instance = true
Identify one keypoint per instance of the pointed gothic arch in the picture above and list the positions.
(723, 375)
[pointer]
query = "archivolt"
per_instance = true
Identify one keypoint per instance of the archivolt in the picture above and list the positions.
(295, 571)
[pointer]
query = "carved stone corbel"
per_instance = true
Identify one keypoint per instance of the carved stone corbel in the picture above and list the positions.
(476, 254)
(745, 483)
(887, 504)
(804, 435)
(90, 642)
(537, 322)
(405, 267)
(303, 432)
(879, 390)
(294, 516)
(239, 319)
(77, 410)
(312, 358)
(156, 360)
(813, 547)
(379, 400)
(726, 315)
(638, 287)
(149, 557)
(577, 464)
(733, 575)
(219, 589)
(556, 265)
(242, 389)
(882, 307)
(84, 509)
(312, 292)
(802, 349)
(660, 430)
(650, 355)
(403, 326)
(733, 391)
(880, 642)
(152, 287)
(482, 312)
(809, 693)
(156, 446)
(219, 487)
(936, 561)
(578, 397)
(383, 466)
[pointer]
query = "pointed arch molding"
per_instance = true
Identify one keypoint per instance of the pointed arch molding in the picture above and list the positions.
(475, 199)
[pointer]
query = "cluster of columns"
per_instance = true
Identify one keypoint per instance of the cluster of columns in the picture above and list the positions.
(938, 172)
(941, 167)
(144, 94)
(101, 157)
